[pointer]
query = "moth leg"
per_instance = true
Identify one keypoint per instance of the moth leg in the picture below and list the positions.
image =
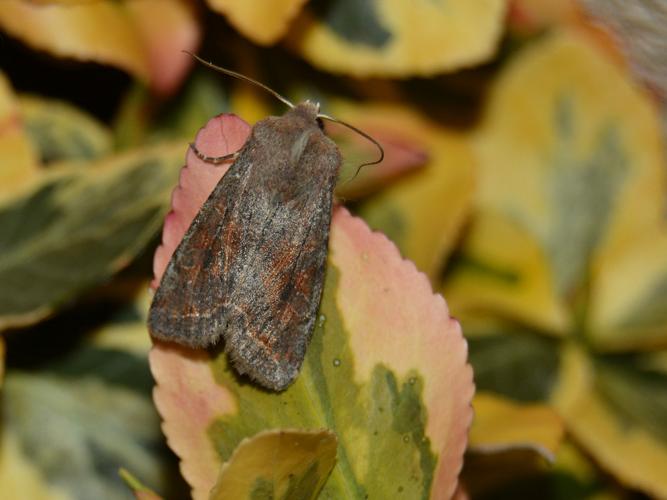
(213, 159)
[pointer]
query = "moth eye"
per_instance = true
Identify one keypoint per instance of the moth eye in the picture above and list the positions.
(320, 123)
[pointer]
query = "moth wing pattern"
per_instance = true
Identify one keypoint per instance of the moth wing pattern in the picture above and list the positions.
(251, 266)
(187, 305)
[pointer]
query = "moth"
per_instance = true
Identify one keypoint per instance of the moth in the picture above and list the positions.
(250, 269)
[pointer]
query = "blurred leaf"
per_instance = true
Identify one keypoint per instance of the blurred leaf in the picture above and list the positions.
(501, 269)
(282, 464)
(422, 213)
(637, 317)
(617, 440)
(60, 131)
(78, 409)
(511, 475)
(402, 156)
(637, 392)
(19, 477)
(400, 406)
(250, 103)
(133, 117)
(397, 39)
(78, 227)
(18, 160)
(513, 362)
(166, 28)
(532, 16)
(201, 99)
(488, 475)
(640, 29)
(264, 22)
(98, 31)
(501, 424)
(77, 431)
(141, 118)
(141, 492)
(142, 37)
(3, 351)
(571, 152)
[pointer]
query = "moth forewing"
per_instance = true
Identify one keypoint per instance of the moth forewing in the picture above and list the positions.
(251, 266)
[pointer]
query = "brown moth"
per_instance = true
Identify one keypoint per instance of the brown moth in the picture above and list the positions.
(250, 268)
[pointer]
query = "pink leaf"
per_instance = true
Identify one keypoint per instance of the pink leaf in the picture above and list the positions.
(380, 321)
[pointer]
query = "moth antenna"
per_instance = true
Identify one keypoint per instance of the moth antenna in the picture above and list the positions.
(363, 134)
(241, 77)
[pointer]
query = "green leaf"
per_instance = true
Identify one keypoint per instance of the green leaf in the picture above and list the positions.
(78, 431)
(355, 22)
(399, 404)
(519, 364)
(636, 318)
(397, 452)
(76, 410)
(637, 392)
(582, 193)
(595, 397)
(142, 118)
(59, 131)
(281, 465)
(77, 228)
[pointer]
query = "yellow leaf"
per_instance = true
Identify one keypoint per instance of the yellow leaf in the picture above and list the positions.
(18, 160)
(423, 213)
(19, 477)
(501, 424)
(280, 463)
(503, 270)
(570, 149)
(398, 38)
(634, 455)
(99, 32)
(249, 103)
(264, 22)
